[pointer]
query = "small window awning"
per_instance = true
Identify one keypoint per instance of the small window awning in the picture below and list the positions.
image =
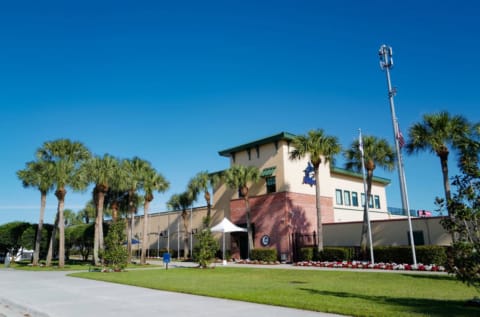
(269, 171)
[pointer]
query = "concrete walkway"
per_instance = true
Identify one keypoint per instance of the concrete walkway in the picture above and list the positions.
(53, 294)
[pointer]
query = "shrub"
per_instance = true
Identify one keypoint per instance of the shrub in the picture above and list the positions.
(336, 254)
(306, 254)
(266, 255)
(115, 254)
(205, 248)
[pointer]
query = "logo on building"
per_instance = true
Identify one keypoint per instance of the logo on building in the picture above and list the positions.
(309, 177)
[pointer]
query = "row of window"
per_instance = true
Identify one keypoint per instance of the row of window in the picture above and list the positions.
(350, 198)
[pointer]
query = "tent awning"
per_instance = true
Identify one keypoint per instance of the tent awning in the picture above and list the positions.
(227, 226)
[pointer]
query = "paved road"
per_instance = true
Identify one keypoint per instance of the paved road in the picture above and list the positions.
(53, 294)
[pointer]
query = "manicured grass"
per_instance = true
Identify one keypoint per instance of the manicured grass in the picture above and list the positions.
(341, 292)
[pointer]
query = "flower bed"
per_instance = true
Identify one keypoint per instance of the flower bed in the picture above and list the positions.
(374, 266)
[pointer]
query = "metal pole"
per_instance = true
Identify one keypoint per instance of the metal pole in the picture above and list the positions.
(367, 198)
(168, 233)
(386, 62)
(191, 230)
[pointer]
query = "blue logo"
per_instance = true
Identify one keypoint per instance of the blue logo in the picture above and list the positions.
(309, 177)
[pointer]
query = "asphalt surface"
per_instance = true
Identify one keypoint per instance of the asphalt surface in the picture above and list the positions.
(53, 294)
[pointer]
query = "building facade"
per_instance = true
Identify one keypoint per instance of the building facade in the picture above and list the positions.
(283, 204)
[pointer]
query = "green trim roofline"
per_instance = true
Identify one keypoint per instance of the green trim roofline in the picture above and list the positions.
(277, 137)
(341, 171)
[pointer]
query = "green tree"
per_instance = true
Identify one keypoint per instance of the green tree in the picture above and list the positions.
(66, 157)
(131, 180)
(38, 174)
(377, 152)
(115, 254)
(151, 181)
(438, 133)
(239, 177)
(182, 202)
(205, 249)
(320, 148)
(103, 172)
(202, 182)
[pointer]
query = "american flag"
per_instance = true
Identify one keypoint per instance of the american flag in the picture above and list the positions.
(401, 140)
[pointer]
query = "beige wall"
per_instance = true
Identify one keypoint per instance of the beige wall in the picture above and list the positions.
(386, 232)
(289, 177)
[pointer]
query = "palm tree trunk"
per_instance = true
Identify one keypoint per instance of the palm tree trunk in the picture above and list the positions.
(143, 257)
(185, 237)
(209, 209)
(61, 231)
(364, 237)
(319, 211)
(38, 238)
(98, 240)
(446, 187)
(51, 244)
(249, 226)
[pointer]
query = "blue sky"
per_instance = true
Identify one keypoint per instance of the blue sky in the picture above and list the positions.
(175, 82)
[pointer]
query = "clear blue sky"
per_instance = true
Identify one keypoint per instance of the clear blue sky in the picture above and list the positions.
(175, 82)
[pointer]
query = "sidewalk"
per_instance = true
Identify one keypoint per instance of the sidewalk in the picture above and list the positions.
(53, 294)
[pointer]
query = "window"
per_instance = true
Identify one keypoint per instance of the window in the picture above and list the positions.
(338, 195)
(249, 154)
(271, 184)
(377, 201)
(346, 197)
(363, 200)
(355, 199)
(417, 237)
(370, 202)
(257, 148)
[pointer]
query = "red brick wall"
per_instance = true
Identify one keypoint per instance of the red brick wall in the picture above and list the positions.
(278, 215)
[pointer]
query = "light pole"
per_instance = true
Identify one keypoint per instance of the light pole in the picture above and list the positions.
(386, 62)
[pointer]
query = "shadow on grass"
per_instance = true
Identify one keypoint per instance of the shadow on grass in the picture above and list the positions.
(433, 277)
(430, 307)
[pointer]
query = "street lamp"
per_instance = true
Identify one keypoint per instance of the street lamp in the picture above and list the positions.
(386, 62)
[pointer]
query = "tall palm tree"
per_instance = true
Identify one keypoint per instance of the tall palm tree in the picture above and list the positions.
(38, 174)
(202, 182)
(436, 133)
(320, 148)
(66, 157)
(239, 177)
(103, 172)
(151, 181)
(132, 170)
(377, 152)
(182, 202)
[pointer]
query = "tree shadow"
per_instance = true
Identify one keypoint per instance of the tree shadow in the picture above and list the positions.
(429, 307)
(431, 276)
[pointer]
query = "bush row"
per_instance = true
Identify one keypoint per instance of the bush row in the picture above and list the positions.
(396, 254)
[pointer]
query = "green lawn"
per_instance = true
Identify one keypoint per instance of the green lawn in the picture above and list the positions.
(341, 292)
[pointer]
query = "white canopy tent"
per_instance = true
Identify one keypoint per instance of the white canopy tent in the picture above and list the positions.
(226, 226)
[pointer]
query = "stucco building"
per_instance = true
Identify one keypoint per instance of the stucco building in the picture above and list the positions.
(283, 206)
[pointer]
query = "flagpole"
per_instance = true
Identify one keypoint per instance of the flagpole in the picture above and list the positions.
(367, 199)
(386, 62)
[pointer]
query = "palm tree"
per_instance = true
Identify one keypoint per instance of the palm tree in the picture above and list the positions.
(436, 133)
(319, 147)
(182, 202)
(130, 180)
(377, 152)
(151, 181)
(238, 177)
(39, 175)
(103, 172)
(203, 181)
(66, 157)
